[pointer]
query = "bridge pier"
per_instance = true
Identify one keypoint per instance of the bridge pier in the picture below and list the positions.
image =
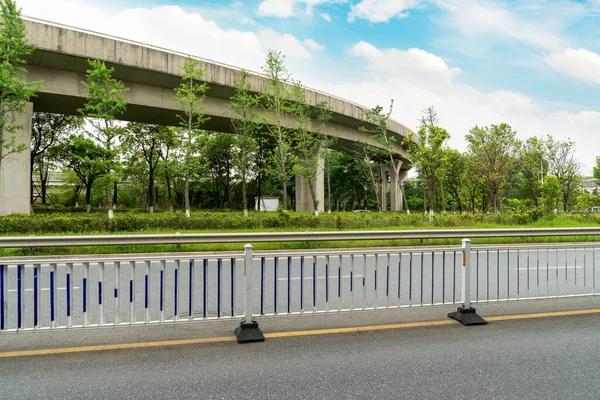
(303, 199)
(396, 188)
(15, 170)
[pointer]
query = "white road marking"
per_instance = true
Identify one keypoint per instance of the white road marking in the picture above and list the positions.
(534, 268)
(45, 289)
(319, 277)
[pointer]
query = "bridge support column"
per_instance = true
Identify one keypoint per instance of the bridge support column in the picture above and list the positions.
(397, 188)
(15, 169)
(303, 199)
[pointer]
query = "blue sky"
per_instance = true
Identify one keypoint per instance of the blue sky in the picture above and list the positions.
(534, 64)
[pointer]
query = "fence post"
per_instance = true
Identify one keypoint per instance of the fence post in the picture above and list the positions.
(248, 331)
(466, 314)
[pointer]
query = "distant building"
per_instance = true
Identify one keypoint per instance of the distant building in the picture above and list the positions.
(267, 203)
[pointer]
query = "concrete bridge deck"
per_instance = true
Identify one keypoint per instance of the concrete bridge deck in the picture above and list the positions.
(60, 60)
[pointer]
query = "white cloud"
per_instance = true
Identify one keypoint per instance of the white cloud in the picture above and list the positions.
(326, 17)
(579, 64)
(313, 45)
(174, 28)
(290, 8)
(380, 10)
(277, 8)
(535, 22)
(394, 74)
(411, 64)
(284, 42)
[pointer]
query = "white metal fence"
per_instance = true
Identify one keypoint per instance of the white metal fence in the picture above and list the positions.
(91, 292)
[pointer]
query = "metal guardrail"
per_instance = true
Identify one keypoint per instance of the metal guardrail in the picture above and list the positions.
(54, 293)
(115, 240)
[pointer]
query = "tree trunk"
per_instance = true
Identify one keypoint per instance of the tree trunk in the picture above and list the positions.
(88, 196)
(115, 196)
(186, 195)
(44, 186)
(313, 196)
(109, 204)
(495, 200)
(431, 189)
(169, 192)
(443, 197)
(328, 184)
(30, 178)
(284, 179)
(151, 191)
(244, 199)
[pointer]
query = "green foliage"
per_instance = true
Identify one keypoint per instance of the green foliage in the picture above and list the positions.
(494, 150)
(307, 143)
(597, 170)
(104, 104)
(455, 175)
(88, 160)
(427, 151)
(245, 124)
(15, 90)
(563, 165)
(276, 100)
(148, 144)
(59, 222)
(190, 95)
(551, 191)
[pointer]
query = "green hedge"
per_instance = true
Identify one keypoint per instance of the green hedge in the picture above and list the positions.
(59, 223)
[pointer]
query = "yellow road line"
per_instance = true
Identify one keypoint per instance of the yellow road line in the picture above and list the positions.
(126, 346)
(543, 315)
(122, 346)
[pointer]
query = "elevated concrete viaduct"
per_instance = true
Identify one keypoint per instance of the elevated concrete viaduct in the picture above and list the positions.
(60, 60)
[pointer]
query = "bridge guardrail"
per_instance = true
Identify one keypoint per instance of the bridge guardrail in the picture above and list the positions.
(41, 294)
(200, 238)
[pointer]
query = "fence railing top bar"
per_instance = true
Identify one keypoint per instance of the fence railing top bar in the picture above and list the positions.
(114, 258)
(207, 238)
(359, 252)
(536, 246)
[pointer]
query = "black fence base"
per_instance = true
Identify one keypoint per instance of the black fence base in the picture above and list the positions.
(467, 316)
(248, 333)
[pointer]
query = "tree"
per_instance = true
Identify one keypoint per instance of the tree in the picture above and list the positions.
(562, 164)
(87, 160)
(455, 175)
(427, 152)
(15, 90)
(494, 149)
(372, 159)
(349, 183)
(533, 167)
(275, 100)
(379, 129)
(597, 170)
(103, 105)
(551, 192)
(245, 123)
(218, 153)
(308, 143)
(190, 95)
(47, 130)
(148, 142)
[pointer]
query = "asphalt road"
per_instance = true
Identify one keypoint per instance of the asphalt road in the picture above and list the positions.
(295, 284)
(548, 358)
